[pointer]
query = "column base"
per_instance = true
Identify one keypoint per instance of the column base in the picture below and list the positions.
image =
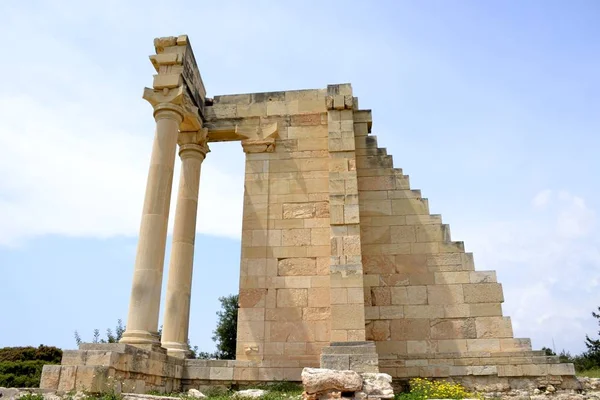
(149, 340)
(356, 356)
(179, 350)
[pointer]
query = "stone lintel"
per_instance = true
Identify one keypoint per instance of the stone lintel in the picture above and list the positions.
(241, 129)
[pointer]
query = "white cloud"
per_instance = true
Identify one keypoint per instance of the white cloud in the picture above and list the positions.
(76, 140)
(549, 265)
(541, 199)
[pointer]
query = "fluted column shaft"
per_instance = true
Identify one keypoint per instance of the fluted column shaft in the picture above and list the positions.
(142, 322)
(192, 151)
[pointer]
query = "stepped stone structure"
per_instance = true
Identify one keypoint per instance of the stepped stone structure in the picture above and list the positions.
(343, 265)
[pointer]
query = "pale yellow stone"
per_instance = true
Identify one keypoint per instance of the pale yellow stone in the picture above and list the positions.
(292, 297)
(297, 266)
(445, 294)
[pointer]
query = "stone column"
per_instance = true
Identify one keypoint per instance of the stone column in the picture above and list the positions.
(142, 322)
(192, 150)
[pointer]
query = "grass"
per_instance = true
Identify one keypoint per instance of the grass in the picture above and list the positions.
(590, 373)
(276, 391)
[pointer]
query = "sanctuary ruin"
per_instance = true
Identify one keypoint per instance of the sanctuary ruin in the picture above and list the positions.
(342, 264)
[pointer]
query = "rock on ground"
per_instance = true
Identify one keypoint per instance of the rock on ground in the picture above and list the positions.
(318, 380)
(379, 385)
(250, 394)
(196, 393)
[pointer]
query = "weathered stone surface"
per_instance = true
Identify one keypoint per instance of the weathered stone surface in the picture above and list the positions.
(196, 394)
(318, 380)
(250, 394)
(377, 385)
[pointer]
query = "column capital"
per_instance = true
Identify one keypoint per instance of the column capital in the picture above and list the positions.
(193, 143)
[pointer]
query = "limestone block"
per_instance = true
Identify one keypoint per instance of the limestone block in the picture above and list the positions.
(394, 280)
(399, 295)
(411, 263)
(308, 132)
(292, 297)
(93, 379)
(297, 266)
(375, 208)
(452, 346)
(347, 316)
(410, 329)
(290, 332)
(251, 314)
(445, 278)
(318, 297)
(482, 277)
(445, 294)
(474, 345)
(424, 311)
(485, 309)
(483, 293)
(252, 110)
(381, 296)
(410, 206)
(535, 369)
(391, 312)
(514, 344)
(561, 369)
(422, 346)
(376, 182)
(393, 248)
(251, 331)
(196, 372)
(50, 377)
(295, 237)
(356, 295)
(221, 373)
(391, 347)
(67, 378)
(299, 210)
(379, 264)
(453, 329)
(403, 234)
(493, 327)
(451, 247)
(434, 260)
(316, 314)
(283, 314)
(416, 295)
(430, 233)
(291, 349)
(252, 297)
(457, 311)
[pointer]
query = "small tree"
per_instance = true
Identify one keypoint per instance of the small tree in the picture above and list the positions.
(110, 336)
(593, 345)
(226, 331)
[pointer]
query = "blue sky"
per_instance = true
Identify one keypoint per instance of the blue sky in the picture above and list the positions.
(491, 107)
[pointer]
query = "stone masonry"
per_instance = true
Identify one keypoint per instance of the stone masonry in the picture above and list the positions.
(343, 266)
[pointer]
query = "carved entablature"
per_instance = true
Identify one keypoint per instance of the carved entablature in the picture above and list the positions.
(178, 78)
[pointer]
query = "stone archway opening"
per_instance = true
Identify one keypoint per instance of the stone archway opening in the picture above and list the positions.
(218, 239)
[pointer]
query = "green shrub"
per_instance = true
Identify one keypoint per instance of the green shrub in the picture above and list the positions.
(50, 354)
(22, 366)
(21, 373)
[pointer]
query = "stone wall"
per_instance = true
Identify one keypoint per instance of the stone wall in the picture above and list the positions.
(284, 314)
(429, 311)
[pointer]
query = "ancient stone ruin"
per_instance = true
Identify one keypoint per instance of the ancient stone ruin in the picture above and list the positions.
(343, 266)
